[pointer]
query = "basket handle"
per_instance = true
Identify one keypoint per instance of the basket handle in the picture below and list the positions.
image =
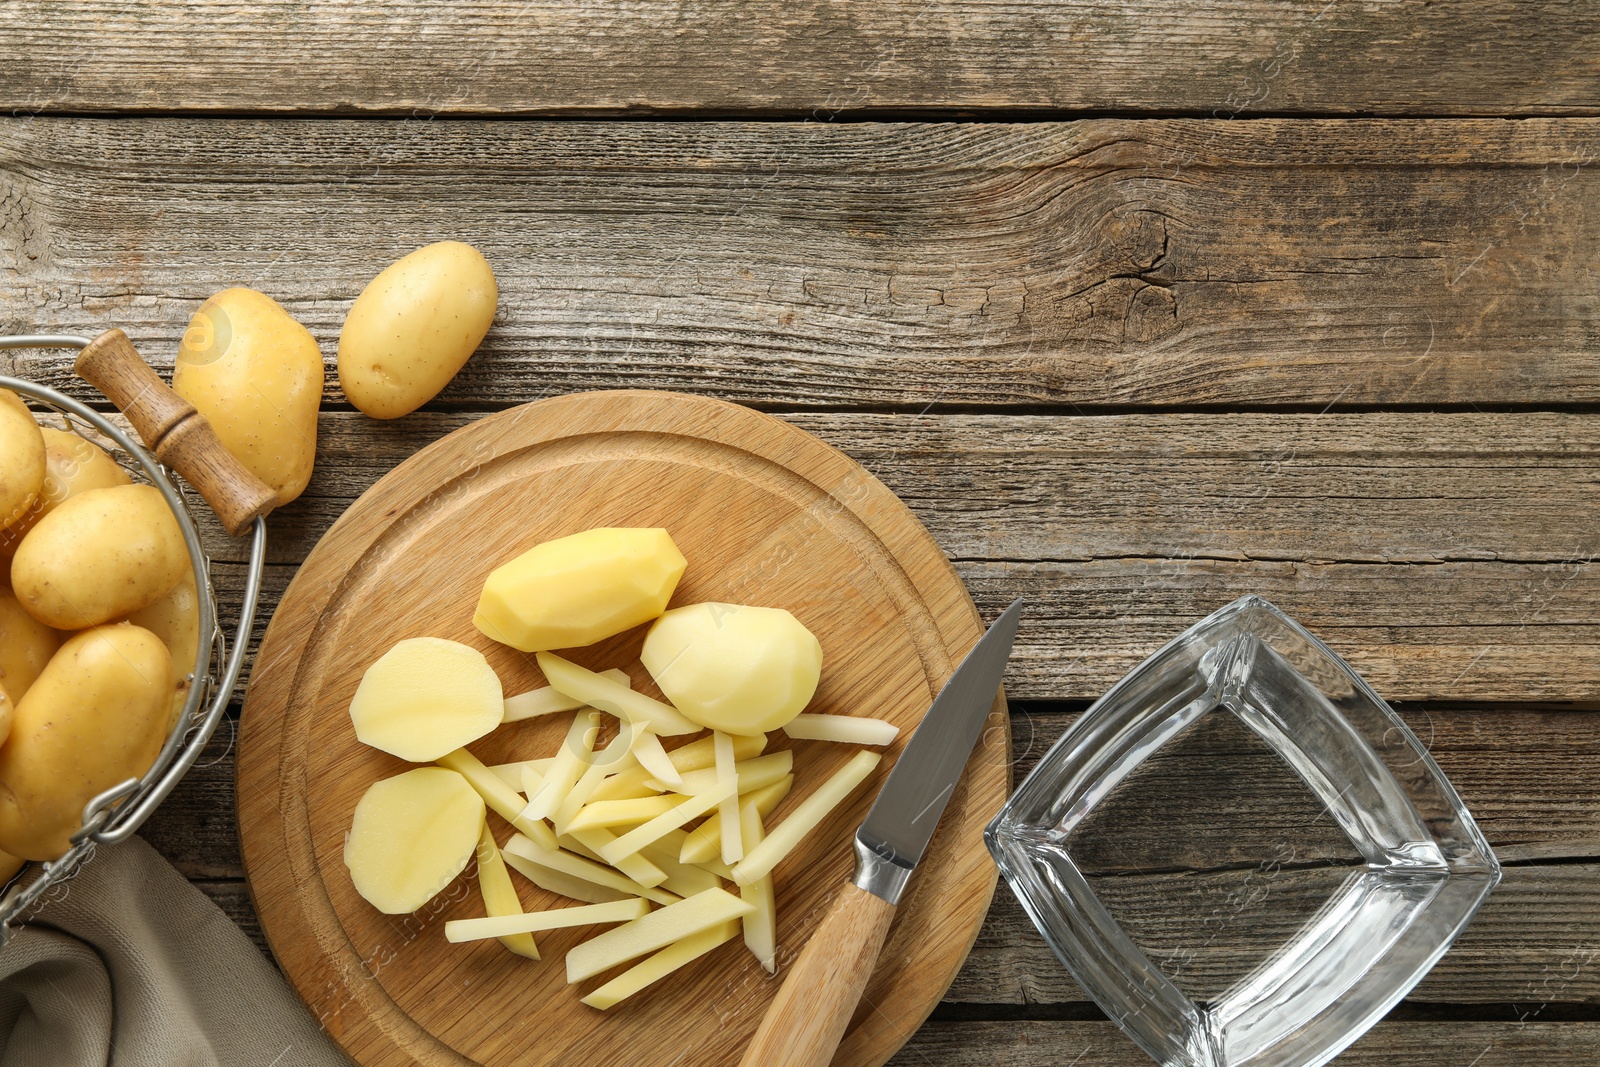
(178, 434)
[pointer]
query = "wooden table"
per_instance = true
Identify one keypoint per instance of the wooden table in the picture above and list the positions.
(1138, 306)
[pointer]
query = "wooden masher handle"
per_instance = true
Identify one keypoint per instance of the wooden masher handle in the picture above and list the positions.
(179, 435)
(807, 1019)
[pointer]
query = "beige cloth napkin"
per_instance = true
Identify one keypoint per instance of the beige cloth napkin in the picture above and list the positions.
(134, 967)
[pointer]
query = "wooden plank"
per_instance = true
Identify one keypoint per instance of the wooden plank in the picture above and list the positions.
(805, 58)
(1447, 556)
(1034, 1043)
(1529, 776)
(1083, 265)
(1534, 944)
(1536, 941)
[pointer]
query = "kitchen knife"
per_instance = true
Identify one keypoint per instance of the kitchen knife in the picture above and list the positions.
(807, 1019)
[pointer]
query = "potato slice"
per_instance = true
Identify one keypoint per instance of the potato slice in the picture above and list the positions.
(614, 758)
(597, 839)
(847, 729)
(411, 835)
(705, 841)
(701, 753)
(568, 767)
(654, 931)
(499, 895)
(576, 866)
(617, 911)
(728, 810)
(684, 879)
(761, 925)
(625, 785)
(505, 801)
(648, 751)
(658, 966)
(580, 589)
(608, 813)
(687, 810)
(562, 885)
(760, 860)
(426, 697)
(548, 701)
(598, 691)
(511, 773)
(729, 667)
(752, 774)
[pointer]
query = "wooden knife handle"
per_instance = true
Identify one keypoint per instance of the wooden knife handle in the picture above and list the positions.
(179, 435)
(806, 1021)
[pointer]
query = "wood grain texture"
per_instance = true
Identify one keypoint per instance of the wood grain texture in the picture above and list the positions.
(1223, 57)
(1447, 556)
(822, 989)
(1531, 777)
(1092, 264)
(767, 515)
(1393, 1044)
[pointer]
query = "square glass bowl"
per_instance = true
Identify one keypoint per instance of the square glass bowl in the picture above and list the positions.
(1425, 866)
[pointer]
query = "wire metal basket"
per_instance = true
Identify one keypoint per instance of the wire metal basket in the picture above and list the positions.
(114, 815)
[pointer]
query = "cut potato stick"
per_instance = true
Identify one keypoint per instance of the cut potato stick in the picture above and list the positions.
(684, 879)
(679, 953)
(603, 813)
(501, 798)
(572, 844)
(608, 695)
(499, 895)
(847, 729)
(635, 839)
(753, 774)
(588, 870)
(511, 773)
(616, 756)
(550, 701)
(625, 785)
(654, 931)
(562, 885)
(728, 810)
(618, 911)
(761, 925)
(705, 840)
(648, 751)
(636, 867)
(568, 767)
(702, 753)
(781, 840)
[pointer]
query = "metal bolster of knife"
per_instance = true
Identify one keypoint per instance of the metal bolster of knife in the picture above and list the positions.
(882, 873)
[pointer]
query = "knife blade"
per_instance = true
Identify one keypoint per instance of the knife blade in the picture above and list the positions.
(807, 1019)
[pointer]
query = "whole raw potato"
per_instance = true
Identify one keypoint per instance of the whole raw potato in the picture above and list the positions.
(580, 589)
(256, 375)
(97, 716)
(21, 459)
(99, 556)
(26, 645)
(413, 327)
(733, 668)
(72, 465)
(175, 618)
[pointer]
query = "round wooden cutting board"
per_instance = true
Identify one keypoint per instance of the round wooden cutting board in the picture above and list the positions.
(766, 515)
